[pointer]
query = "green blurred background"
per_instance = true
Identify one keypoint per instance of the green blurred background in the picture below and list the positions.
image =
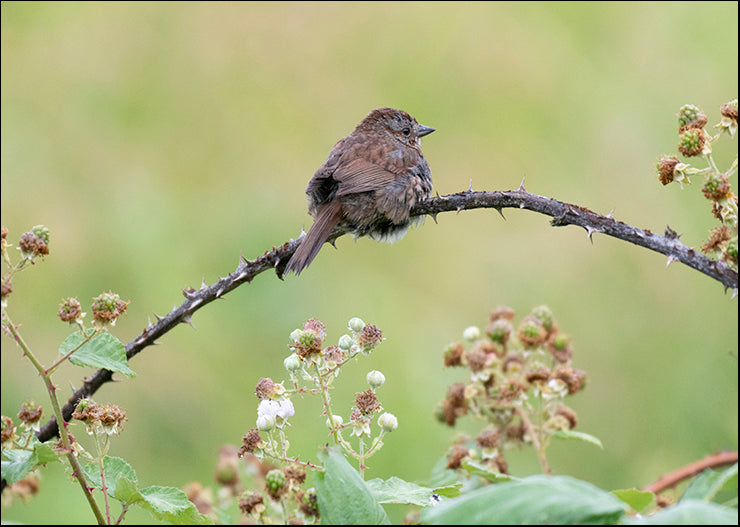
(159, 142)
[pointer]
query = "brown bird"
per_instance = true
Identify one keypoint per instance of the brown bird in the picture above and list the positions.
(368, 184)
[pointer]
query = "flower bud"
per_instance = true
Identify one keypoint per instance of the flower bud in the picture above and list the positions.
(471, 333)
(375, 379)
(265, 423)
(388, 422)
(356, 324)
(292, 362)
(296, 334)
(345, 342)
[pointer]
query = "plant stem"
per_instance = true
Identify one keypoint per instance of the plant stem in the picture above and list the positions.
(327, 403)
(535, 440)
(63, 434)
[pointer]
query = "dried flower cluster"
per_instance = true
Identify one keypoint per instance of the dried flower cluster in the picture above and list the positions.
(694, 141)
(518, 376)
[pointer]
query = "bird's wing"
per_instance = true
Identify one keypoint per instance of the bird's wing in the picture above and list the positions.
(361, 175)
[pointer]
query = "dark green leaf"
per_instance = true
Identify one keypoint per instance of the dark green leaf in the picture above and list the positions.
(534, 500)
(690, 512)
(102, 351)
(344, 498)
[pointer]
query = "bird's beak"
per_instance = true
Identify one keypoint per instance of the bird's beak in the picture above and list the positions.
(424, 130)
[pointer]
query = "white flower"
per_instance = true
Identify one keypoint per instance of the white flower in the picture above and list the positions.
(279, 410)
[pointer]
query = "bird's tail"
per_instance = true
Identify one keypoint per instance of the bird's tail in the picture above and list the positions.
(326, 220)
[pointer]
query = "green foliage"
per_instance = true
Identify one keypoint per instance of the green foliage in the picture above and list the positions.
(344, 497)
(689, 512)
(22, 461)
(101, 351)
(537, 500)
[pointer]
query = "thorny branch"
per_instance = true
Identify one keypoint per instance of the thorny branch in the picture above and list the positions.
(277, 258)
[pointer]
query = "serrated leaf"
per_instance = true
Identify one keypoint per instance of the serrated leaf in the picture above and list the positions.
(534, 500)
(690, 512)
(114, 468)
(396, 490)
(572, 434)
(126, 491)
(343, 496)
(635, 498)
(102, 351)
(709, 483)
(21, 462)
(18, 464)
(476, 469)
(171, 505)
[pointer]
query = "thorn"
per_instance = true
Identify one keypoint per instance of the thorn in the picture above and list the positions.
(470, 186)
(671, 259)
(434, 217)
(436, 193)
(611, 214)
(333, 242)
(734, 294)
(203, 283)
(459, 208)
(188, 319)
(159, 319)
(500, 211)
(521, 185)
(149, 320)
(589, 234)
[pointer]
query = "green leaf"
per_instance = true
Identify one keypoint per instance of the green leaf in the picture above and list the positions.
(690, 512)
(441, 475)
(21, 462)
(114, 468)
(171, 505)
(126, 491)
(709, 483)
(572, 434)
(477, 469)
(449, 491)
(533, 500)
(102, 351)
(344, 498)
(396, 490)
(635, 498)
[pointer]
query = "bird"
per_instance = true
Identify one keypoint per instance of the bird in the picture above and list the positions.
(368, 184)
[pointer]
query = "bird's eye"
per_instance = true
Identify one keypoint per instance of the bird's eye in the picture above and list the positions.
(406, 131)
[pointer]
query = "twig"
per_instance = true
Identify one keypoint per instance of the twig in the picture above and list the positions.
(692, 469)
(277, 258)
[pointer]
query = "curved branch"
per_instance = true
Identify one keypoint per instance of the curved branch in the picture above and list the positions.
(692, 469)
(277, 258)
(567, 214)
